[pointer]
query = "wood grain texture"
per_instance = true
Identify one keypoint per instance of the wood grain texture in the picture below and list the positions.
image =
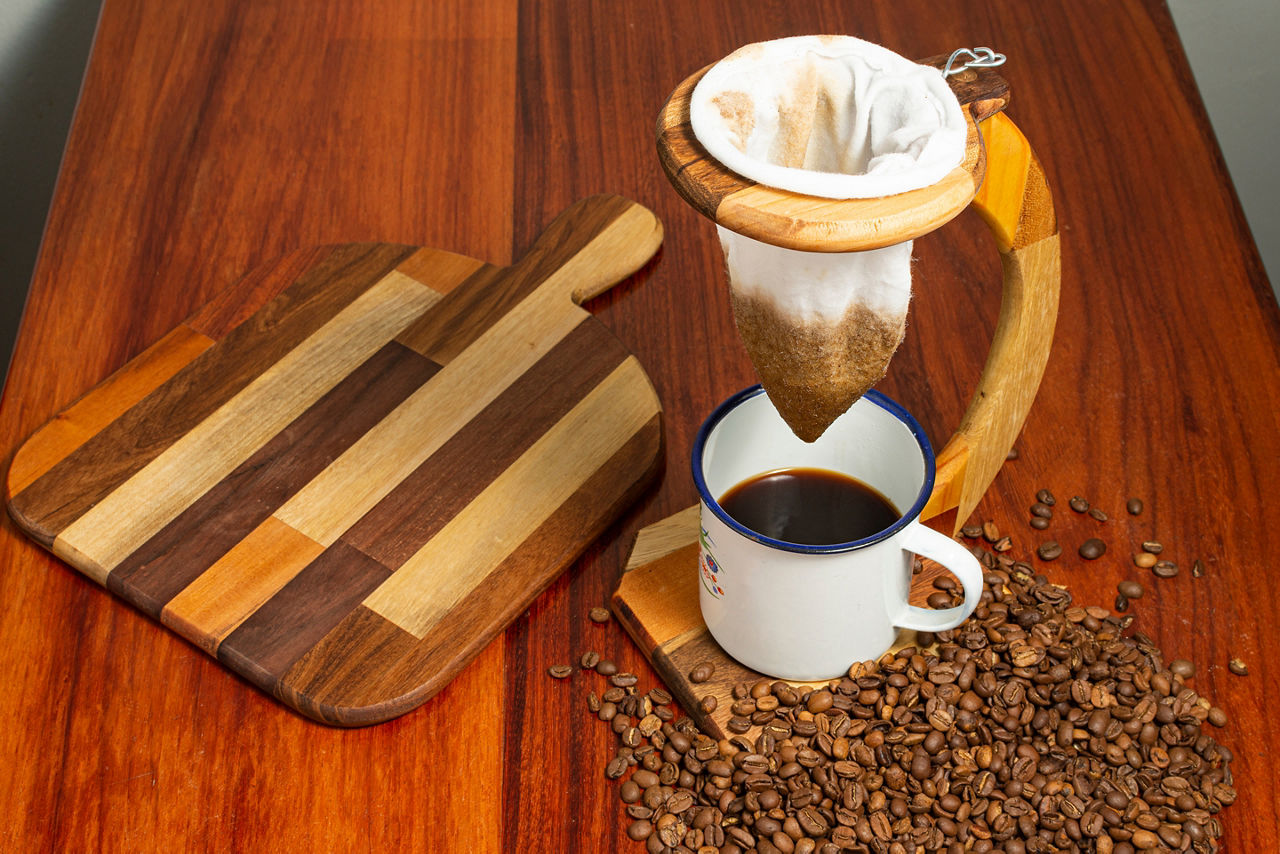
(205, 535)
(213, 137)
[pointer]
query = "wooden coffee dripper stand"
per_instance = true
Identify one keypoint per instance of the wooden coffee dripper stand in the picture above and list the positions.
(657, 597)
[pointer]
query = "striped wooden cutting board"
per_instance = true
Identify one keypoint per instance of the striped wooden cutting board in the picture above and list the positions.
(349, 494)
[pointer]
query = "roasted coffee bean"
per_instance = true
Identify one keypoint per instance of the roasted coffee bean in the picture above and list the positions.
(624, 680)
(1144, 560)
(1130, 589)
(659, 697)
(1045, 497)
(1012, 455)
(702, 672)
(593, 702)
(630, 791)
(589, 660)
(1003, 544)
(1035, 726)
(616, 768)
(1078, 504)
(599, 615)
(1197, 568)
(1098, 514)
(1134, 506)
(708, 703)
(1153, 547)
(1121, 603)
(559, 671)
(1042, 510)
(1238, 667)
(1039, 523)
(639, 829)
(606, 668)
(1092, 549)
(1049, 550)
(990, 532)
(971, 532)
(1165, 569)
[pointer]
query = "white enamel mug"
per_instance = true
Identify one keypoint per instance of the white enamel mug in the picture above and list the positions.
(805, 612)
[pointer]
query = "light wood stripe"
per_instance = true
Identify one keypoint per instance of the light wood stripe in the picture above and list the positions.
(105, 403)
(382, 458)
(662, 538)
(225, 594)
(439, 270)
(999, 199)
(161, 490)
(452, 563)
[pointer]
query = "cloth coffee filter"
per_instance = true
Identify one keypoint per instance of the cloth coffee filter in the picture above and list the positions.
(836, 117)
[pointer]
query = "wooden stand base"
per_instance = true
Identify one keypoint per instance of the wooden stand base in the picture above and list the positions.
(657, 603)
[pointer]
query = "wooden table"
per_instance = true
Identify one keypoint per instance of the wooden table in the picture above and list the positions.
(211, 137)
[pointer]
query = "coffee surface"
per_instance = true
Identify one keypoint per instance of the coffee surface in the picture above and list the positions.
(809, 506)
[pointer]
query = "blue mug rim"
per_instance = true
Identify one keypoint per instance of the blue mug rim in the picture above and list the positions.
(880, 399)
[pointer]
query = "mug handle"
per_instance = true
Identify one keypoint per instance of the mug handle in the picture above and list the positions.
(937, 546)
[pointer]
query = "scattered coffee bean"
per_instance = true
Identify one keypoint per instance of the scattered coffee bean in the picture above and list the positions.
(599, 615)
(1003, 544)
(709, 703)
(1165, 569)
(659, 697)
(1153, 547)
(624, 680)
(1197, 568)
(1144, 560)
(1042, 510)
(1049, 550)
(559, 671)
(606, 667)
(1121, 603)
(971, 532)
(990, 532)
(702, 672)
(1131, 589)
(1078, 504)
(1238, 667)
(639, 830)
(1045, 497)
(1040, 523)
(1036, 725)
(1098, 514)
(589, 660)
(1092, 549)
(1134, 506)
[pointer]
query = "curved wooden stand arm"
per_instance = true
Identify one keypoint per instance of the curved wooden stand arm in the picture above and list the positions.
(1015, 201)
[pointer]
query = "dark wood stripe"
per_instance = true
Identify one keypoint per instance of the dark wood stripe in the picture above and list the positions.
(469, 310)
(228, 512)
(368, 670)
(300, 615)
(137, 437)
(477, 454)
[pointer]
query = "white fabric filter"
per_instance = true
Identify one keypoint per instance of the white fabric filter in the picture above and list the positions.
(820, 285)
(829, 116)
(840, 118)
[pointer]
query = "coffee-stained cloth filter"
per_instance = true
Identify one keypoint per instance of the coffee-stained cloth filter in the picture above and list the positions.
(829, 116)
(837, 117)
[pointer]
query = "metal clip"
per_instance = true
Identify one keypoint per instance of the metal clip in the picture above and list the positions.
(978, 57)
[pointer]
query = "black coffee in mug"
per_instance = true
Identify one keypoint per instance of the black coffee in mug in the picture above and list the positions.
(809, 506)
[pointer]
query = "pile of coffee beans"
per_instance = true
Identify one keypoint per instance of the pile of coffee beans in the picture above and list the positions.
(1036, 726)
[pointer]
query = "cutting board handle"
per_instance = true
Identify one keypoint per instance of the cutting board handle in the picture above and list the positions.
(592, 245)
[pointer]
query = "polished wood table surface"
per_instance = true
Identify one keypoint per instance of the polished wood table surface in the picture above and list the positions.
(212, 137)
